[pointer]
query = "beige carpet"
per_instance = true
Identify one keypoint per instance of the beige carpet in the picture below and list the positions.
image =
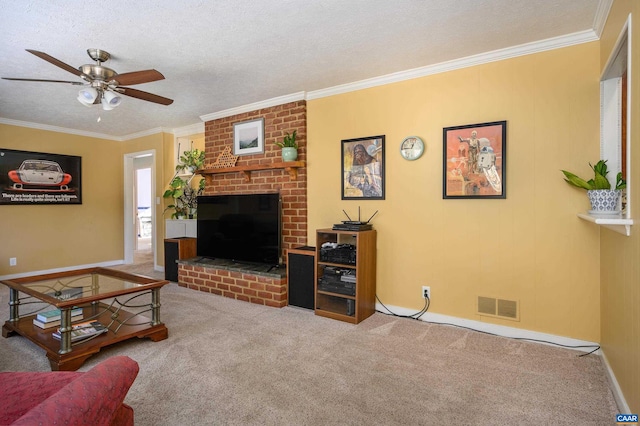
(233, 363)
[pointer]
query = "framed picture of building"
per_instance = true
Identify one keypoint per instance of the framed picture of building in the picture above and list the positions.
(363, 168)
(39, 178)
(474, 160)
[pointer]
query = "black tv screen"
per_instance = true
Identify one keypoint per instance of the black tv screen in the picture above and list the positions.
(242, 228)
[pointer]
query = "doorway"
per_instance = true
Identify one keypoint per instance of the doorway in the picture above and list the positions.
(140, 209)
(144, 215)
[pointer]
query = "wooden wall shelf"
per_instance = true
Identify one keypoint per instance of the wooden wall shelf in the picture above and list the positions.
(290, 166)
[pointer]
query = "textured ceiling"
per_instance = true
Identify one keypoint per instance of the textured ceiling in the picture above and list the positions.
(222, 54)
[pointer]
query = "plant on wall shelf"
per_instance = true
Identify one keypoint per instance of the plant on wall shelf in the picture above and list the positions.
(185, 197)
(191, 161)
(604, 200)
(599, 181)
(181, 190)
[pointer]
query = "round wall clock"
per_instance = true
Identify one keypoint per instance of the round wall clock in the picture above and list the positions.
(411, 148)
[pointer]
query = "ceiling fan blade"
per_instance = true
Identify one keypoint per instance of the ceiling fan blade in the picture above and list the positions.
(138, 77)
(75, 83)
(145, 96)
(59, 63)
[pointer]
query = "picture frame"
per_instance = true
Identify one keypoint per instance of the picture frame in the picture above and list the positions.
(363, 168)
(474, 161)
(248, 137)
(39, 178)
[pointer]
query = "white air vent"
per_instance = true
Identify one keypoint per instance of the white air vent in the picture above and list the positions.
(499, 308)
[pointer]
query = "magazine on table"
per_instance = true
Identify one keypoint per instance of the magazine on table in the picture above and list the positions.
(83, 330)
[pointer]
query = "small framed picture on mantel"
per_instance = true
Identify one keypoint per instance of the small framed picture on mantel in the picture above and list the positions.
(248, 137)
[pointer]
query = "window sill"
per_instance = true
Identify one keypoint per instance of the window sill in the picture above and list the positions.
(615, 222)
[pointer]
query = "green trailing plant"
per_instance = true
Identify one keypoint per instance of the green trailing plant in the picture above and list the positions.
(289, 141)
(184, 195)
(191, 160)
(599, 180)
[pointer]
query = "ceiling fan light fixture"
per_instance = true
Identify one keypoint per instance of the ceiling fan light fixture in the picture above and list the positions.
(105, 105)
(87, 96)
(110, 100)
(103, 85)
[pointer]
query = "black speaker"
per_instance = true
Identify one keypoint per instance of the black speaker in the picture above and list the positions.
(177, 249)
(170, 257)
(300, 276)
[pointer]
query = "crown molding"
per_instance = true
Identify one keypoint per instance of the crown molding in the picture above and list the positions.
(294, 97)
(483, 58)
(602, 13)
(144, 133)
(189, 130)
(49, 128)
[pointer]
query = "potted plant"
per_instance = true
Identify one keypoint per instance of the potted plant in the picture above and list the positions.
(191, 161)
(185, 198)
(289, 147)
(604, 200)
(181, 190)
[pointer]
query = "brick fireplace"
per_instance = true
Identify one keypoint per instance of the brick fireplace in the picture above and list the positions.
(256, 287)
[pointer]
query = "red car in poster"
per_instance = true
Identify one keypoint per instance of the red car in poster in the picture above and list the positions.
(40, 173)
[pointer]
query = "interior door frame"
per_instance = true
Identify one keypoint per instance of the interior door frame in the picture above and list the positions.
(129, 214)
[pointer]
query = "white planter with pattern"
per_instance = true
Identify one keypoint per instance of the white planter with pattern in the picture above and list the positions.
(604, 201)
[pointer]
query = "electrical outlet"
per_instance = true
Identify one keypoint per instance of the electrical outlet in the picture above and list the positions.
(426, 292)
(13, 261)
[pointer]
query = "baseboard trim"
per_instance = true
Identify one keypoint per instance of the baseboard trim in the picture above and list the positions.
(64, 269)
(621, 402)
(499, 330)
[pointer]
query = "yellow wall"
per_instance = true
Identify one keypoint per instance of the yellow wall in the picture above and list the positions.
(530, 247)
(620, 255)
(44, 237)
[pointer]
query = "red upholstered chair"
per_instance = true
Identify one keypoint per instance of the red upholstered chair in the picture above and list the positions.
(68, 397)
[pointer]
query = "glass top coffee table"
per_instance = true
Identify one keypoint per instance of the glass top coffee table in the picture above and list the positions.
(127, 305)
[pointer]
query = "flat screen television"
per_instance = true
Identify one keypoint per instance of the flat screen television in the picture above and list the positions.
(240, 227)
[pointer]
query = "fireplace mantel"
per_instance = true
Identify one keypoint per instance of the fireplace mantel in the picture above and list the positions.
(290, 166)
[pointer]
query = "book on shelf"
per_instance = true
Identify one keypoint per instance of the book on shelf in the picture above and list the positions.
(83, 330)
(57, 322)
(54, 315)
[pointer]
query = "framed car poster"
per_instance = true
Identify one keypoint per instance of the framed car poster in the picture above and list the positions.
(39, 178)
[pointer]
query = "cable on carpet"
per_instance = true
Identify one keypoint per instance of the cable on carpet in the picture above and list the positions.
(427, 303)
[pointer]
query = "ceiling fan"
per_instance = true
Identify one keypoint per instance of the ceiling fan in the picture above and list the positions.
(103, 85)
